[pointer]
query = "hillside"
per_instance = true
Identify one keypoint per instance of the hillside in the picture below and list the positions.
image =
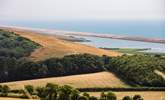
(100, 79)
(53, 47)
(13, 45)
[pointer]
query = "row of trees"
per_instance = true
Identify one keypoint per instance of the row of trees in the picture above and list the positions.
(56, 92)
(138, 69)
(23, 69)
(135, 70)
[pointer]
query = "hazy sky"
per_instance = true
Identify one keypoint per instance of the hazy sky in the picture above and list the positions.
(49, 10)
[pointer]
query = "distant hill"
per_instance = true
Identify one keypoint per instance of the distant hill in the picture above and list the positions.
(54, 47)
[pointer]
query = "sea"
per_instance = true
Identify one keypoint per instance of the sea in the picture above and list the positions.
(148, 29)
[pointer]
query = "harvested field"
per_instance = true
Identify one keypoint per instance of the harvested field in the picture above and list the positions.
(53, 47)
(100, 79)
(149, 95)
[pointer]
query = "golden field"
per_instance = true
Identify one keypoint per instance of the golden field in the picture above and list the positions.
(100, 79)
(148, 95)
(54, 47)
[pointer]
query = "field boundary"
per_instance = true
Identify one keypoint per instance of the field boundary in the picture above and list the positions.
(122, 89)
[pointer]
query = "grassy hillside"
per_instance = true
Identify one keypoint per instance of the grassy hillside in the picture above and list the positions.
(53, 47)
(13, 45)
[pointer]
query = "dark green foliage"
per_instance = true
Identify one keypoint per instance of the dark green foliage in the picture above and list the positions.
(13, 45)
(41, 92)
(75, 95)
(111, 96)
(51, 91)
(139, 69)
(108, 96)
(0, 88)
(29, 88)
(86, 94)
(92, 98)
(135, 70)
(83, 98)
(127, 98)
(103, 95)
(56, 92)
(5, 90)
(74, 64)
(137, 97)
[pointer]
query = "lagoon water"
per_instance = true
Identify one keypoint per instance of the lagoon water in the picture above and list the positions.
(148, 29)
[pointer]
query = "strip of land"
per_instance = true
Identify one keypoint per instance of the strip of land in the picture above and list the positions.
(111, 36)
(88, 34)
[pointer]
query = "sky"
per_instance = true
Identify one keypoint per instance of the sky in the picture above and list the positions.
(55, 10)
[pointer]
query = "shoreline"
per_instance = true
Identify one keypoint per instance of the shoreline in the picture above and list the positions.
(70, 35)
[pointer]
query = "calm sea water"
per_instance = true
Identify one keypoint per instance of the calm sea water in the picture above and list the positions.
(149, 29)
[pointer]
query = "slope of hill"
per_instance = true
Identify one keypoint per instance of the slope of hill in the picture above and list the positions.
(100, 79)
(53, 47)
(13, 45)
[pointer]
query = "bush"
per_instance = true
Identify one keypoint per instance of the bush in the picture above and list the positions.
(111, 96)
(92, 98)
(29, 88)
(86, 94)
(0, 88)
(5, 90)
(137, 97)
(83, 98)
(127, 98)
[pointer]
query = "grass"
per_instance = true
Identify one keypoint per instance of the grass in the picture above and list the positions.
(134, 51)
(53, 47)
(100, 79)
(149, 95)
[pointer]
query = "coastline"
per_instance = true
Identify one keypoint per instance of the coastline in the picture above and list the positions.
(52, 46)
(70, 35)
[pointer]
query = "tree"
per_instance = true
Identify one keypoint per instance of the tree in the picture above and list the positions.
(86, 94)
(75, 95)
(83, 98)
(29, 88)
(111, 96)
(92, 98)
(41, 92)
(103, 95)
(127, 98)
(0, 88)
(137, 97)
(51, 90)
(64, 92)
(5, 90)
